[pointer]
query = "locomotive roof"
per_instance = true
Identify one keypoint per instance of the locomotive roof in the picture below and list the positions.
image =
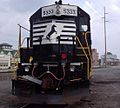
(38, 13)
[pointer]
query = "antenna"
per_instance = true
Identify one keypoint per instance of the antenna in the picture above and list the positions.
(56, 2)
(59, 2)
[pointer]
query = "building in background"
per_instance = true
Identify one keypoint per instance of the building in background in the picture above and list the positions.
(6, 56)
(4, 61)
(95, 57)
(111, 59)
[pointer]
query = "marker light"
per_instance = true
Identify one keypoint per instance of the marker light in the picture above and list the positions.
(63, 56)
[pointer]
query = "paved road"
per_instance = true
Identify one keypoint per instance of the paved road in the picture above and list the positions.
(105, 89)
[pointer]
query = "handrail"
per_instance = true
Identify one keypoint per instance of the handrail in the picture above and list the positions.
(85, 55)
(88, 51)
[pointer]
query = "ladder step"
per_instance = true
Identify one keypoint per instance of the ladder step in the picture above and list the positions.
(81, 55)
(82, 48)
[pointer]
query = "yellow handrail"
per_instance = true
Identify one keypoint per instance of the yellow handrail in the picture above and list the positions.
(85, 55)
(89, 52)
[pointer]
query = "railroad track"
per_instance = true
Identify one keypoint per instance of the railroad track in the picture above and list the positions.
(43, 106)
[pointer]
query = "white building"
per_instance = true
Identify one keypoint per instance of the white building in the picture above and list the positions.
(4, 61)
(6, 55)
(111, 60)
(95, 57)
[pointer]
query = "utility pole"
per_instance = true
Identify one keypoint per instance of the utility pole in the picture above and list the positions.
(105, 36)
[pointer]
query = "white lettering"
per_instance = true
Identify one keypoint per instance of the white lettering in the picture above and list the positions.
(63, 10)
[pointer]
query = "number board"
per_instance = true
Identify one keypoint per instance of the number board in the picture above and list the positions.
(59, 10)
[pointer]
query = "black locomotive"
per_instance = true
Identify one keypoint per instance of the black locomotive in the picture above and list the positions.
(58, 52)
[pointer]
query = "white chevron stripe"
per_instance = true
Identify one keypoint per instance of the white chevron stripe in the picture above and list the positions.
(66, 38)
(69, 29)
(39, 25)
(38, 34)
(36, 43)
(41, 29)
(68, 33)
(36, 38)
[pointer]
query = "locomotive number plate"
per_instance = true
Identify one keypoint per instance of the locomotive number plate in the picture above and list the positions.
(59, 10)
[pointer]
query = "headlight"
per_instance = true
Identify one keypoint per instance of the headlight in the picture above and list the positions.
(27, 68)
(72, 68)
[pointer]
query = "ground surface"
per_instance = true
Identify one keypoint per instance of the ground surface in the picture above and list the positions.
(106, 88)
(104, 91)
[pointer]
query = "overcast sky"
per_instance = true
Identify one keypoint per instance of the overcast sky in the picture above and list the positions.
(13, 12)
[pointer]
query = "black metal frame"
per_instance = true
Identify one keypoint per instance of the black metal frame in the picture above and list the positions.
(30, 52)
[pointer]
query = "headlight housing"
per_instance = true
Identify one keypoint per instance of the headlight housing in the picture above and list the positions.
(27, 68)
(72, 68)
